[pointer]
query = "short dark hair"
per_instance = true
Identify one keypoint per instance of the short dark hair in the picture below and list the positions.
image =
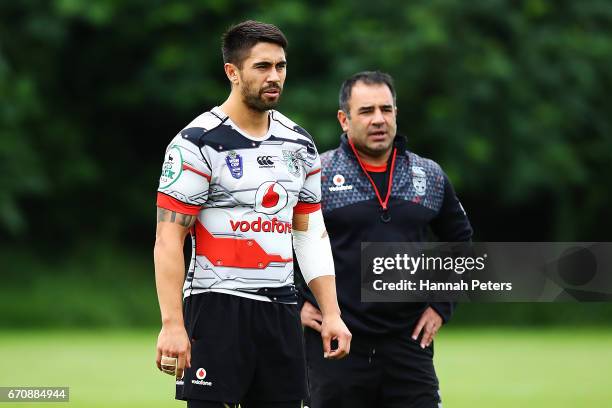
(368, 78)
(240, 38)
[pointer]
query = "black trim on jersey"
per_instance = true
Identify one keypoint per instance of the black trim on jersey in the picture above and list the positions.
(195, 259)
(310, 148)
(226, 138)
(223, 137)
(306, 143)
(195, 134)
(297, 129)
(219, 117)
(303, 132)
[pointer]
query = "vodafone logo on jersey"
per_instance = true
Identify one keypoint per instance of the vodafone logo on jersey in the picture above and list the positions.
(201, 373)
(338, 180)
(259, 225)
(270, 198)
(339, 185)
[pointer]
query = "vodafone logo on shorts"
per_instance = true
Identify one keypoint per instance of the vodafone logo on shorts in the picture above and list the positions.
(200, 375)
(270, 198)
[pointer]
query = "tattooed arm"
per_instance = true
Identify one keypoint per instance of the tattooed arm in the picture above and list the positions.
(172, 228)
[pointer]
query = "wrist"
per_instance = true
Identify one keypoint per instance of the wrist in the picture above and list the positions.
(171, 322)
(331, 314)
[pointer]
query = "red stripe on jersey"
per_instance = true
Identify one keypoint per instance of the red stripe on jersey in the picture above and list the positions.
(313, 172)
(233, 252)
(196, 171)
(172, 204)
(306, 208)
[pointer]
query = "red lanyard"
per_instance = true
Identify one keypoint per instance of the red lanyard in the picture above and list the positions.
(383, 204)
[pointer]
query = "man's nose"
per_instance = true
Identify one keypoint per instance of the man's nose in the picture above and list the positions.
(273, 76)
(378, 118)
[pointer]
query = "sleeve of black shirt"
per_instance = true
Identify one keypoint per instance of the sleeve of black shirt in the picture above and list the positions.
(450, 225)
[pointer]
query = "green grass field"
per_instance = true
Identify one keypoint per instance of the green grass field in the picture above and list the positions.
(477, 367)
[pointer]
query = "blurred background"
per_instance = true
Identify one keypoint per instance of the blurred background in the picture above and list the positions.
(510, 97)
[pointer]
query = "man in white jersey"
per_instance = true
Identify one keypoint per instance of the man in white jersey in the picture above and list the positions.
(245, 182)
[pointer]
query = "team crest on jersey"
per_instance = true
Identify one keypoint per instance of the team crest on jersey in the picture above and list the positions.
(270, 198)
(419, 180)
(234, 164)
(172, 167)
(292, 160)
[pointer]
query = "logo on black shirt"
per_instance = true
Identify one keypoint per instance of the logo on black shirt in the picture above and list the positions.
(338, 181)
(419, 180)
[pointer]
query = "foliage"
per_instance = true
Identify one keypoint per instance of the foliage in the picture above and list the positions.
(510, 97)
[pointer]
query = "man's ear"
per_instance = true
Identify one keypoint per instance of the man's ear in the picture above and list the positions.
(343, 119)
(231, 71)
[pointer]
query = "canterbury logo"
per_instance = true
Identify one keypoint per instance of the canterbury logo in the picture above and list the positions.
(265, 160)
(259, 225)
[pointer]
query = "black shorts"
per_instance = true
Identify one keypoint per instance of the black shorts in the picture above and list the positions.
(243, 350)
(383, 372)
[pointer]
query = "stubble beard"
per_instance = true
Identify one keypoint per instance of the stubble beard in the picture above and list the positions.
(374, 151)
(255, 100)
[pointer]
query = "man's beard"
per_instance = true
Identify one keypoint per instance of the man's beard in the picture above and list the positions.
(374, 151)
(256, 101)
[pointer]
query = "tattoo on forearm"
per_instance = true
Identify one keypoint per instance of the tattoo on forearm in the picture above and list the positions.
(185, 220)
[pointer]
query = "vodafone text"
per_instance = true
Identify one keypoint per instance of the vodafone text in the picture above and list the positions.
(259, 225)
(202, 382)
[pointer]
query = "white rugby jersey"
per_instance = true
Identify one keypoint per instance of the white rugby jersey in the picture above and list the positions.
(244, 191)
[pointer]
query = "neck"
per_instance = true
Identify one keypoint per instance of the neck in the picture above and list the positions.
(253, 122)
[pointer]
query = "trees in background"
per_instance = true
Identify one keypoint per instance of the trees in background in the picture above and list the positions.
(510, 97)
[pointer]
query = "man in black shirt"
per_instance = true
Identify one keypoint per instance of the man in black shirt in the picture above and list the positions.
(375, 190)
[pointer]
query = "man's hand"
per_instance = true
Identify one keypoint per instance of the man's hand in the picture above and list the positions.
(430, 322)
(174, 342)
(311, 316)
(333, 328)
